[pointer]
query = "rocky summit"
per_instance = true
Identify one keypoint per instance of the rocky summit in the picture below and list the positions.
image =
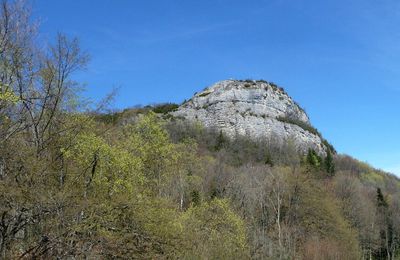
(257, 109)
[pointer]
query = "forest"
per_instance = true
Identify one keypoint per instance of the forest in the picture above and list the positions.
(80, 182)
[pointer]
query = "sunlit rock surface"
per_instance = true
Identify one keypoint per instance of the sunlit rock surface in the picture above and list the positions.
(251, 108)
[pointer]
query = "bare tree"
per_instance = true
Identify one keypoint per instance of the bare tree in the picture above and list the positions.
(35, 93)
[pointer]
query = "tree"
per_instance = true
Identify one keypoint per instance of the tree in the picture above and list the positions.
(36, 90)
(148, 140)
(329, 163)
(380, 199)
(384, 225)
(73, 185)
(213, 231)
(395, 222)
(313, 159)
(221, 141)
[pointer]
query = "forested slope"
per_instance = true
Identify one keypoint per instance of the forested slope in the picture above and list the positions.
(76, 182)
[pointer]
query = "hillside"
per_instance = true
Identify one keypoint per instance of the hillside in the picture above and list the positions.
(329, 205)
(237, 172)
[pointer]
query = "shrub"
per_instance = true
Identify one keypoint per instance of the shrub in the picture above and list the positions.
(165, 108)
(299, 123)
(329, 146)
(108, 118)
(301, 109)
(313, 158)
(204, 94)
(308, 128)
(262, 81)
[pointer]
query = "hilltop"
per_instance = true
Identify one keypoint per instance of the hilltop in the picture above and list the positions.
(236, 172)
(253, 108)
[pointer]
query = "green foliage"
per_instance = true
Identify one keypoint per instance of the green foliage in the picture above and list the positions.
(329, 163)
(307, 128)
(250, 81)
(87, 186)
(113, 169)
(213, 231)
(165, 108)
(373, 178)
(380, 199)
(268, 160)
(150, 142)
(262, 81)
(204, 94)
(329, 146)
(299, 123)
(221, 141)
(109, 118)
(195, 197)
(7, 95)
(320, 215)
(313, 159)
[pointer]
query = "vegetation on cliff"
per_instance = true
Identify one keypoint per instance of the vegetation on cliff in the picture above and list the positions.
(79, 183)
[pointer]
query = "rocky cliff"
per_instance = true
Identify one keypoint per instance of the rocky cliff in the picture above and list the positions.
(257, 109)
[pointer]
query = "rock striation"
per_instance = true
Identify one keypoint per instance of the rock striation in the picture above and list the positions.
(257, 109)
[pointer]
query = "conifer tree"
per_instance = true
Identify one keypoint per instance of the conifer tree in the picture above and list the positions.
(268, 160)
(384, 227)
(313, 158)
(380, 199)
(329, 164)
(220, 141)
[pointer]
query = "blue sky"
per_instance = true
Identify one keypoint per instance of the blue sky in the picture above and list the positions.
(339, 59)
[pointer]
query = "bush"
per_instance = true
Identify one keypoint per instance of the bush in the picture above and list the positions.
(108, 118)
(299, 123)
(262, 81)
(204, 94)
(165, 108)
(329, 146)
(308, 128)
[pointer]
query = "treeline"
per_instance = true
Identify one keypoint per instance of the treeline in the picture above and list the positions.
(75, 183)
(302, 205)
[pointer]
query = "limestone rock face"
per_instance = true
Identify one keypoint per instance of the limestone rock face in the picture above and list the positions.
(251, 108)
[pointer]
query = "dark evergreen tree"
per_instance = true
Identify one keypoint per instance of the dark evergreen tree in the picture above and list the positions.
(268, 160)
(313, 158)
(220, 142)
(195, 196)
(380, 199)
(384, 225)
(329, 164)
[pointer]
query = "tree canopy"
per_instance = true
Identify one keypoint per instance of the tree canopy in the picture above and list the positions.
(144, 185)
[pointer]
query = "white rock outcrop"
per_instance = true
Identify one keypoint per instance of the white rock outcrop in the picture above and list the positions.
(251, 108)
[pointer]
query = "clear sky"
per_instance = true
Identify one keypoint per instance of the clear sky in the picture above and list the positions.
(340, 59)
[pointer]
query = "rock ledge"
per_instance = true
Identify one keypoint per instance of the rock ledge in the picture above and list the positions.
(257, 109)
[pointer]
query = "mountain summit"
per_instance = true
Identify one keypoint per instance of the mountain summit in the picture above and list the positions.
(258, 109)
